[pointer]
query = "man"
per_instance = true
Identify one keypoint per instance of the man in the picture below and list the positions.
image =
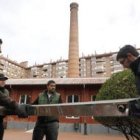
(8, 103)
(128, 56)
(0, 44)
(47, 125)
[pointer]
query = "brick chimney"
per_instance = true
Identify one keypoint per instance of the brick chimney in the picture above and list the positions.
(73, 62)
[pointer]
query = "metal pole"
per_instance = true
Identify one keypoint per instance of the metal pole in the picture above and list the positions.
(85, 120)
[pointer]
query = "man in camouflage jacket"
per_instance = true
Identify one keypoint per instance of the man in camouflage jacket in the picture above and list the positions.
(8, 103)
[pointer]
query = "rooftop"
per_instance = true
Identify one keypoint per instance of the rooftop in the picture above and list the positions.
(59, 81)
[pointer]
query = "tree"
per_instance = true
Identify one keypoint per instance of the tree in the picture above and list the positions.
(120, 86)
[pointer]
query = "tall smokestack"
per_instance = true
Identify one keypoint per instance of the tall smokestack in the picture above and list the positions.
(73, 64)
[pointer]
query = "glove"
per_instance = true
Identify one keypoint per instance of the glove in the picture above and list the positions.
(21, 111)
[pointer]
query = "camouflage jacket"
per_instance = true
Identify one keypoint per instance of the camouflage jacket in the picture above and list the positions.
(6, 101)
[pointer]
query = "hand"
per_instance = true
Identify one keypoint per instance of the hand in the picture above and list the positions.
(21, 111)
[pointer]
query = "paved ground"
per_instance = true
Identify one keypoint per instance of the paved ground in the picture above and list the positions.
(22, 135)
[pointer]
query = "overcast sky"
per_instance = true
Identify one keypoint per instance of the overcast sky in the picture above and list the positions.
(38, 30)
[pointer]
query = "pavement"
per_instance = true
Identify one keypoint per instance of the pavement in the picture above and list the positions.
(27, 135)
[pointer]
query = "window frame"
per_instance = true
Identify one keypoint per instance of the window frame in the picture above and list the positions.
(25, 98)
(72, 117)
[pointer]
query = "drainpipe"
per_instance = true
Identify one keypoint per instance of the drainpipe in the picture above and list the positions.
(12, 91)
(13, 97)
(85, 120)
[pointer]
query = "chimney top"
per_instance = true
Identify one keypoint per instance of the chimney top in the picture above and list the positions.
(74, 5)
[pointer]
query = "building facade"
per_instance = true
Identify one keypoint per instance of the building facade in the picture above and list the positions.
(103, 65)
(72, 90)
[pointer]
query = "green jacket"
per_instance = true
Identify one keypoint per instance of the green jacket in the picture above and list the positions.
(44, 99)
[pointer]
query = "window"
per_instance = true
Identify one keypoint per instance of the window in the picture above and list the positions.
(93, 97)
(72, 99)
(24, 99)
(45, 70)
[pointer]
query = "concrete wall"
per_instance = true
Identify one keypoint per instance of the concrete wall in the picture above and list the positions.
(66, 127)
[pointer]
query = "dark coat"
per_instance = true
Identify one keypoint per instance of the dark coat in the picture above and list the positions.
(135, 67)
